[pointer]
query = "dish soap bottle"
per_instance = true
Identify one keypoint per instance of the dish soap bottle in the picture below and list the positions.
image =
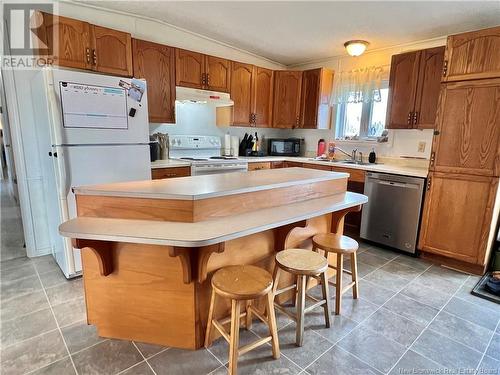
(372, 157)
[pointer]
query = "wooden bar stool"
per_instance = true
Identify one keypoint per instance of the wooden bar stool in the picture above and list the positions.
(303, 264)
(242, 283)
(343, 245)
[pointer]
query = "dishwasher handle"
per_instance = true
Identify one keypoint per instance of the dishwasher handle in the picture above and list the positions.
(396, 184)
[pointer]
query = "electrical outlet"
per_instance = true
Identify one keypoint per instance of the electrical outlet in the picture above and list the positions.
(421, 146)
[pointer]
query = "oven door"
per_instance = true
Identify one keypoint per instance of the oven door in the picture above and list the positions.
(215, 168)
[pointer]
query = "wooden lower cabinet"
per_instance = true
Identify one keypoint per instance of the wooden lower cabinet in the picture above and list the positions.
(457, 216)
(255, 166)
(160, 173)
(277, 164)
(291, 164)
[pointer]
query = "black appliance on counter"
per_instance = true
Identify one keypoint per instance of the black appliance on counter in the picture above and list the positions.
(284, 146)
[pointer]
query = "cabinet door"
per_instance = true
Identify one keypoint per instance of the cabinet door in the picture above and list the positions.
(156, 64)
(287, 86)
(189, 68)
(241, 93)
(468, 128)
(315, 108)
(218, 73)
(402, 89)
(311, 81)
(263, 97)
(473, 55)
(67, 40)
(457, 216)
(112, 51)
(429, 81)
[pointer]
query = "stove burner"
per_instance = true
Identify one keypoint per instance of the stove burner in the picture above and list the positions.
(223, 157)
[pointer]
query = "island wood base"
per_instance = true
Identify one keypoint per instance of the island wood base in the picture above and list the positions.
(161, 294)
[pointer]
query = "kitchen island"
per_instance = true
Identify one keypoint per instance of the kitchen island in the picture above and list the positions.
(149, 248)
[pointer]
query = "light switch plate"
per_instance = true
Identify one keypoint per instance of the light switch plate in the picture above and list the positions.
(421, 146)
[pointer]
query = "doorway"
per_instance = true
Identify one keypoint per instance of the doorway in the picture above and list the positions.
(12, 243)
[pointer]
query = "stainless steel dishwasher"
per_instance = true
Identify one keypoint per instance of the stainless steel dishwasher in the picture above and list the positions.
(392, 214)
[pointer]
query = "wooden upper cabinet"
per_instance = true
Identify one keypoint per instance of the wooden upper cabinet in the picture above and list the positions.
(457, 214)
(428, 87)
(473, 55)
(402, 90)
(414, 86)
(242, 77)
(156, 64)
(287, 87)
(218, 74)
(262, 97)
(468, 128)
(189, 69)
(78, 44)
(67, 39)
(112, 51)
(315, 96)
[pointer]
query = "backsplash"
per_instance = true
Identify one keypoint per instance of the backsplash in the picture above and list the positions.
(199, 119)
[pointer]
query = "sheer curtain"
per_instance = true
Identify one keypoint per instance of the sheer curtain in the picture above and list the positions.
(360, 85)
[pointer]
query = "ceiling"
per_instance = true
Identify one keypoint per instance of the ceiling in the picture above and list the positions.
(291, 32)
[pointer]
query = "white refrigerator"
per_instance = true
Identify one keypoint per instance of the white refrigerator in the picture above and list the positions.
(91, 129)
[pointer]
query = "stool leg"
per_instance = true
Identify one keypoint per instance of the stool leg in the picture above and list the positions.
(248, 320)
(271, 322)
(301, 302)
(354, 271)
(338, 281)
(208, 333)
(235, 337)
(326, 306)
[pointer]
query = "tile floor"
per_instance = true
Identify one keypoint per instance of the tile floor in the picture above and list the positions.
(411, 317)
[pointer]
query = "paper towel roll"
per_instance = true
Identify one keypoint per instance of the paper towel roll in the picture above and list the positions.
(235, 145)
(227, 145)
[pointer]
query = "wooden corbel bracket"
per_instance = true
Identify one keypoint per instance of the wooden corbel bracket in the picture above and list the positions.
(204, 254)
(183, 253)
(102, 251)
(194, 260)
(338, 217)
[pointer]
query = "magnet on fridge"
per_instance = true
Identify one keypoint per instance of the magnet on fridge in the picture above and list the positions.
(132, 112)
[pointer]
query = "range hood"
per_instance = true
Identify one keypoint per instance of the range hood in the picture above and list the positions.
(213, 98)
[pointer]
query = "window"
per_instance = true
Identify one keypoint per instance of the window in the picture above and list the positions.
(363, 120)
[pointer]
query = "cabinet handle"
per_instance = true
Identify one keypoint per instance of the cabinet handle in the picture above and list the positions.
(297, 121)
(87, 54)
(94, 56)
(415, 118)
(208, 79)
(408, 120)
(433, 158)
(445, 68)
(429, 183)
(203, 79)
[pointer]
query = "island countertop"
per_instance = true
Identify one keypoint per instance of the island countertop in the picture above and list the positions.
(210, 186)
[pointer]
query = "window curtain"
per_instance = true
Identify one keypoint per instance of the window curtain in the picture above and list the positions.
(360, 85)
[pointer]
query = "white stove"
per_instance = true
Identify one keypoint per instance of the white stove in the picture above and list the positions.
(204, 154)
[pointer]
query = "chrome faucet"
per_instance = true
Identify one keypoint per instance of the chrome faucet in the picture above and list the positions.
(354, 153)
(342, 151)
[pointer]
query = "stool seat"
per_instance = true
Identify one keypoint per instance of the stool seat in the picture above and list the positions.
(301, 262)
(243, 282)
(332, 243)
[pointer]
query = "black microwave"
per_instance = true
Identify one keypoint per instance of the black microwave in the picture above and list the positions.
(284, 146)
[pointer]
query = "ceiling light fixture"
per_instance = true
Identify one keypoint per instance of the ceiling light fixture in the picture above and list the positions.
(356, 47)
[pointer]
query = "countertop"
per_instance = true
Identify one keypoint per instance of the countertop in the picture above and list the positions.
(169, 163)
(399, 169)
(209, 186)
(209, 232)
(394, 168)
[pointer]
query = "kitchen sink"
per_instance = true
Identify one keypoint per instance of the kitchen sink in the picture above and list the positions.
(349, 162)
